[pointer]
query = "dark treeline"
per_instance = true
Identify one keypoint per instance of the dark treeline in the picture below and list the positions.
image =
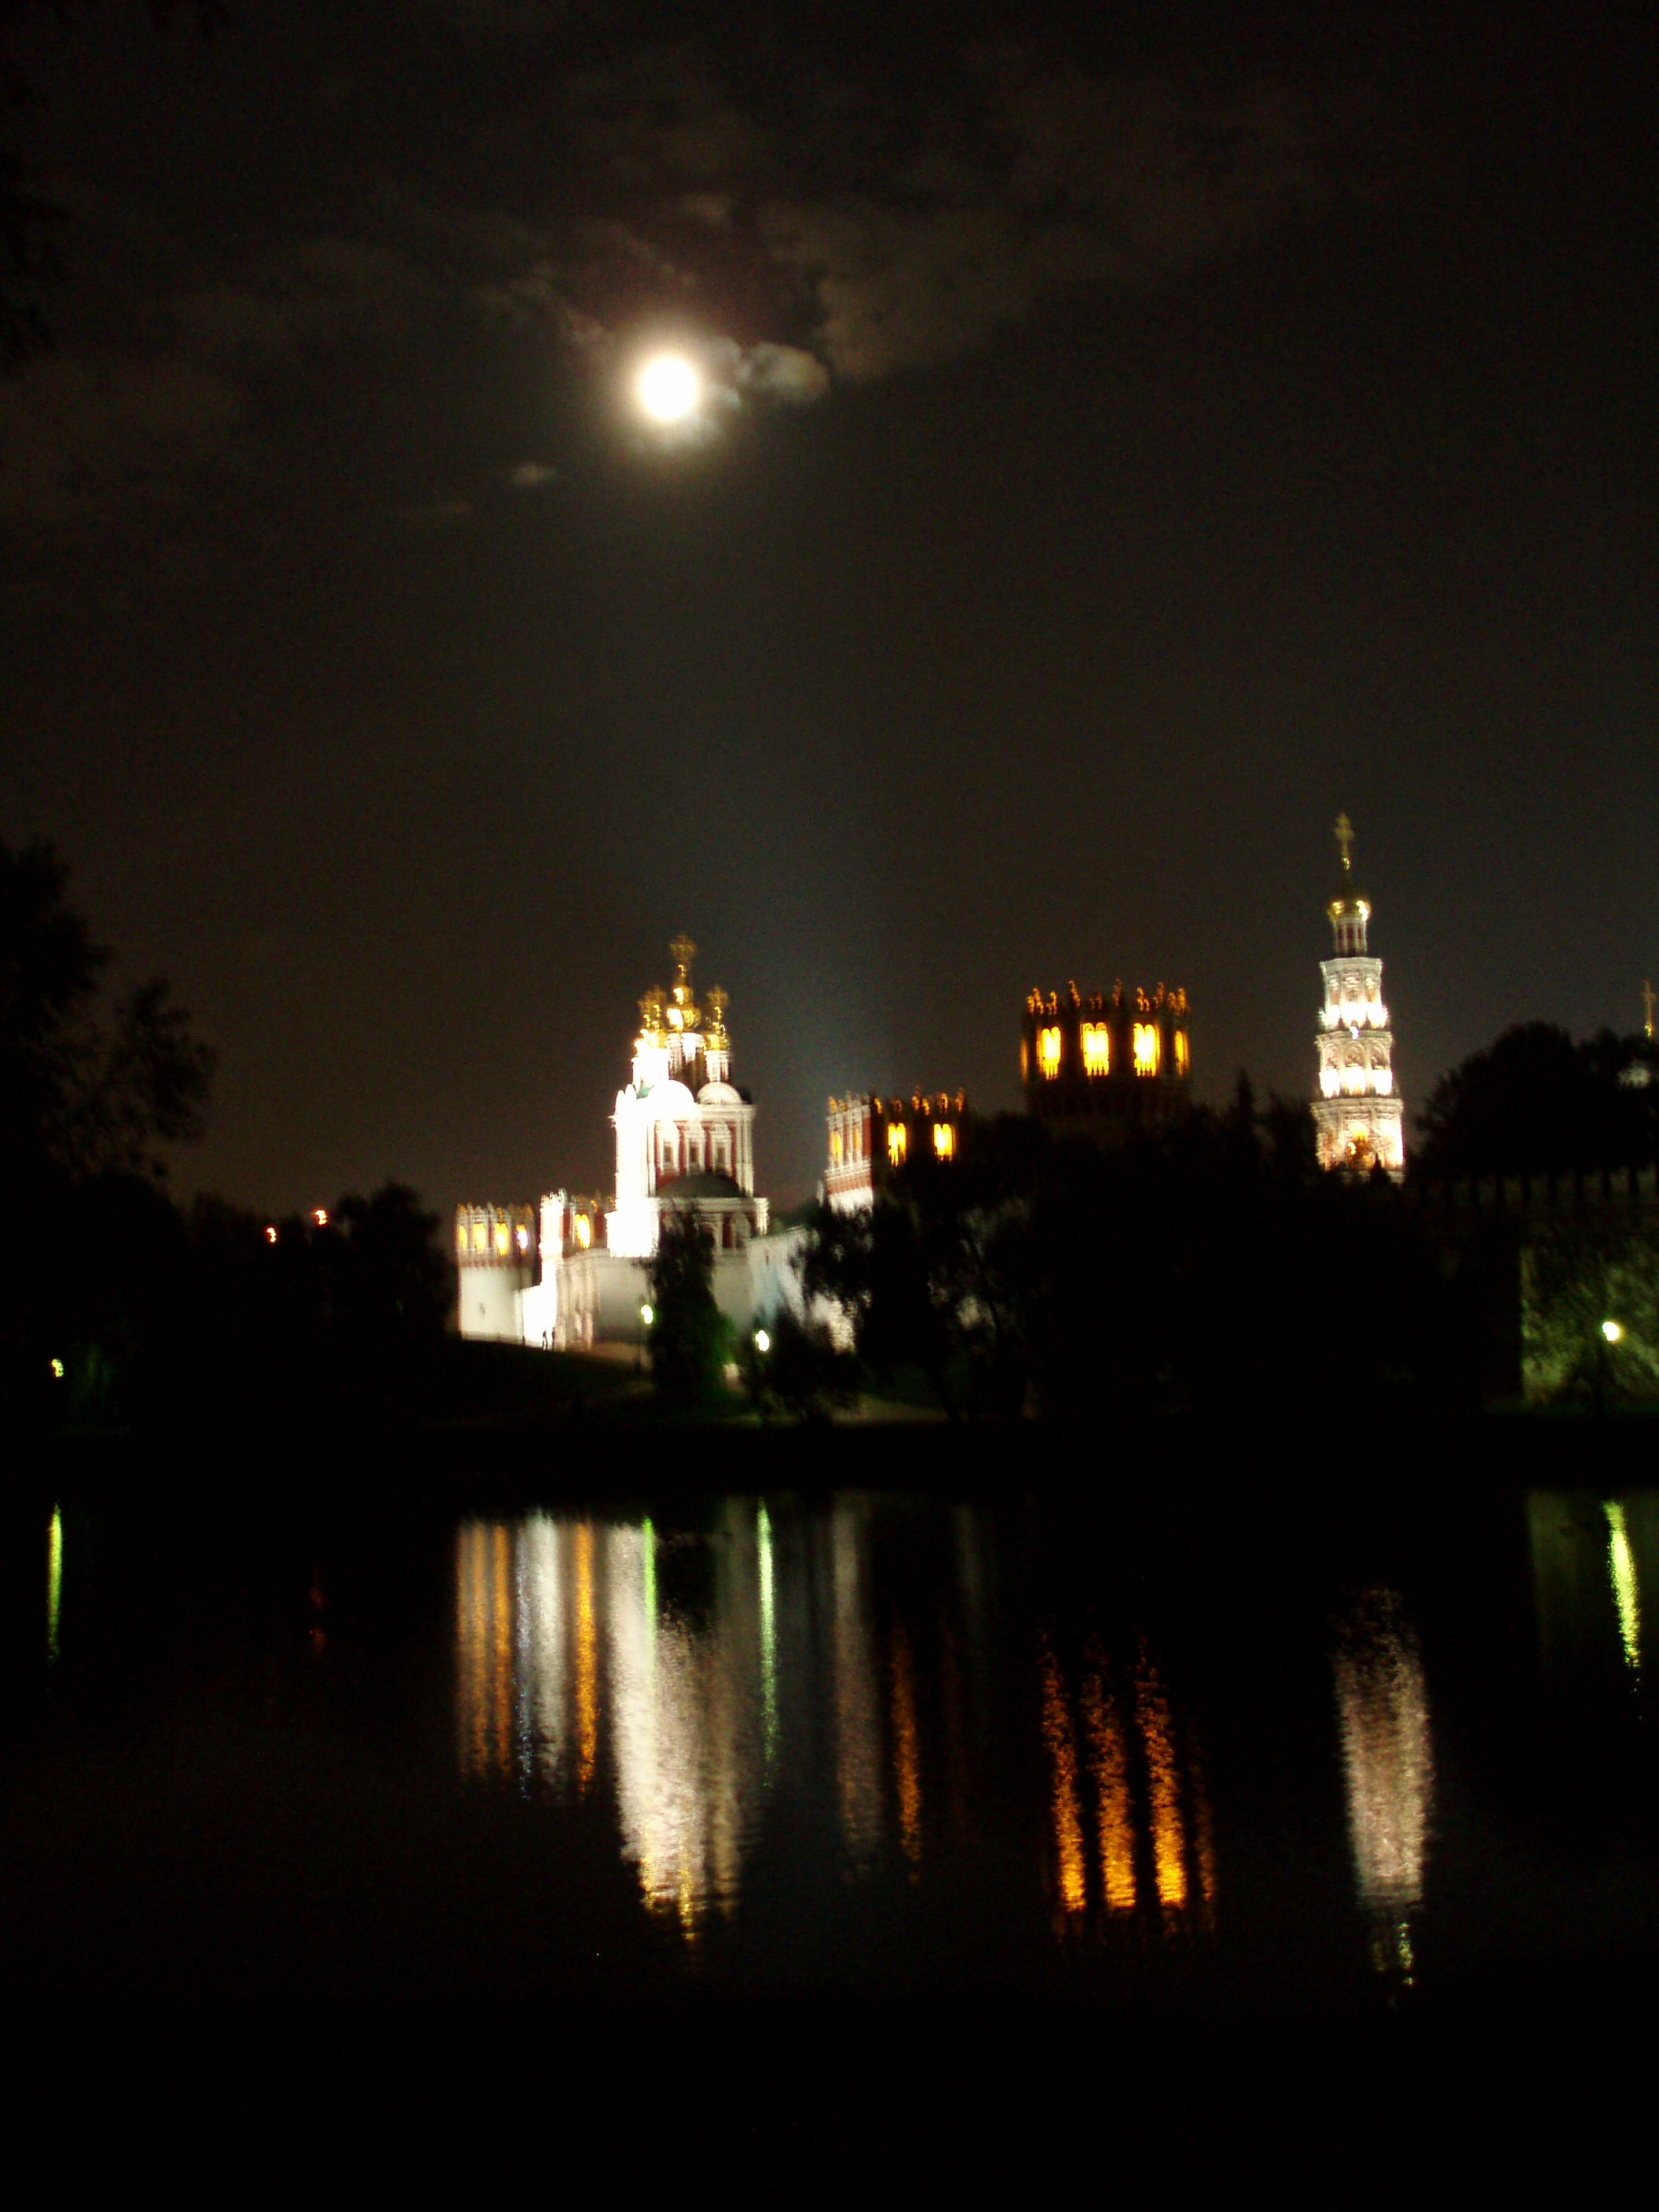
(121, 1305)
(1205, 1265)
(1537, 1103)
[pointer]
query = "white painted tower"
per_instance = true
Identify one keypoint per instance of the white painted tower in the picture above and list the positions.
(1360, 1115)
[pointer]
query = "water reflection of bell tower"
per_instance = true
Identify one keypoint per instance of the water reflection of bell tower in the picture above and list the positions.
(1358, 1115)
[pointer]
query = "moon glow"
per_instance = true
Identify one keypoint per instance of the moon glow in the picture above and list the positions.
(668, 388)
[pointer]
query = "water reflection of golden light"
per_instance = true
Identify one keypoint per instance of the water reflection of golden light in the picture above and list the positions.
(1164, 1783)
(1388, 1761)
(1109, 1763)
(501, 1671)
(858, 1769)
(906, 1756)
(1203, 1829)
(1626, 1591)
(1062, 1787)
(588, 1670)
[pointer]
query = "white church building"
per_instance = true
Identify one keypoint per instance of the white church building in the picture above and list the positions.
(684, 1143)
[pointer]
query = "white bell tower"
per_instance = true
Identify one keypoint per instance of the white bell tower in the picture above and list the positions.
(1360, 1115)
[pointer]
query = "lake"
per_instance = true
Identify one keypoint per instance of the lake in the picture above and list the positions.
(1228, 1764)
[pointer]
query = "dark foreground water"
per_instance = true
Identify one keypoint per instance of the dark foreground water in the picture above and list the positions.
(1212, 1775)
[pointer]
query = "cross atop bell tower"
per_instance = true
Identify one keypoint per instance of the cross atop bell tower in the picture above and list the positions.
(1349, 910)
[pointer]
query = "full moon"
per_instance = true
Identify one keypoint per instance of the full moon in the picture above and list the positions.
(668, 388)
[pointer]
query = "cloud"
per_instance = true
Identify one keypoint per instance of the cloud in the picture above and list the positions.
(891, 229)
(131, 421)
(532, 476)
(787, 374)
(435, 514)
(1099, 183)
(76, 435)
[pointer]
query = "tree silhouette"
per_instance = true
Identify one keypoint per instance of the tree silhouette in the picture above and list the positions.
(690, 1338)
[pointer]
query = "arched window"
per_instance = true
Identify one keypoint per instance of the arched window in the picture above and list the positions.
(1049, 1052)
(1148, 1048)
(1096, 1048)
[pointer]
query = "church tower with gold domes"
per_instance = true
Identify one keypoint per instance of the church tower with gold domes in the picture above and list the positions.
(1359, 1113)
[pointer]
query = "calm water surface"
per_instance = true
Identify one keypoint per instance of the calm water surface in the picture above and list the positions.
(1217, 1762)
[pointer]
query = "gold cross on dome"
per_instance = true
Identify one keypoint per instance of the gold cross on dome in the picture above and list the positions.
(1344, 842)
(1647, 1009)
(682, 952)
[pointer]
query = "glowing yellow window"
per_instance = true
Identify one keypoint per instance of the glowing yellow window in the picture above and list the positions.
(1049, 1052)
(501, 1239)
(945, 1139)
(1096, 1048)
(898, 1141)
(1146, 1047)
(1182, 1060)
(521, 1238)
(834, 1148)
(584, 1232)
(460, 1237)
(479, 1240)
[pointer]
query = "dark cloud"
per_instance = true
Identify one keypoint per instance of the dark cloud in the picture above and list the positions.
(792, 226)
(888, 234)
(130, 417)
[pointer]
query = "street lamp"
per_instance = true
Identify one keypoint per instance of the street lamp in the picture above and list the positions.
(1612, 1331)
(762, 1341)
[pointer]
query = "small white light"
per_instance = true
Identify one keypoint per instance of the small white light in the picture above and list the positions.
(58, 1370)
(762, 1341)
(1612, 1331)
(648, 1315)
(320, 1217)
(270, 1236)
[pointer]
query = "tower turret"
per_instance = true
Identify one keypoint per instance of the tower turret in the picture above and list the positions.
(1358, 1113)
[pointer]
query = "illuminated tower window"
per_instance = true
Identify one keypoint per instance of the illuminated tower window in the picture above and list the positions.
(1096, 1048)
(584, 1232)
(501, 1240)
(1182, 1057)
(898, 1141)
(1147, 1048)
(1049, 1052)
(479, 1238)
(945, 1139)
(834, 1148)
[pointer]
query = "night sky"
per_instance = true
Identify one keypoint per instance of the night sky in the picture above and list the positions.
(1137, 433)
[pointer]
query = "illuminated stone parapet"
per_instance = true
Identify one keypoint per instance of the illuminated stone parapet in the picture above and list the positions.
(868, 1137)
(1359, 1113)
(494, 1261)
(1124, 1058)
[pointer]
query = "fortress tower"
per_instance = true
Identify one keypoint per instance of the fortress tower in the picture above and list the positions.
(1359, 1113)
(1099, 1061)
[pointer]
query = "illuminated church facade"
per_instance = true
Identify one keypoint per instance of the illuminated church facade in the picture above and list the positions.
(1359, 1116)
(685, 1137)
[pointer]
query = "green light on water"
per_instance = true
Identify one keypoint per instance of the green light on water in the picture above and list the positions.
(54, 1581)
(768, 1636)
(1626, 1596)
